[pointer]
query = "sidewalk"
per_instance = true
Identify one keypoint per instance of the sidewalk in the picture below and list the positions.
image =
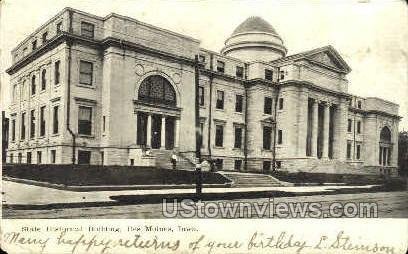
(23, 194)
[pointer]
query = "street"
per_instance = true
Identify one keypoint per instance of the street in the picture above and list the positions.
(390, 205)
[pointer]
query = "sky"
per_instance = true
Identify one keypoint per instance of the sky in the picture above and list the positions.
(371, 36)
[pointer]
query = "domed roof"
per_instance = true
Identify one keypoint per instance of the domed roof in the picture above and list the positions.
(254, 24)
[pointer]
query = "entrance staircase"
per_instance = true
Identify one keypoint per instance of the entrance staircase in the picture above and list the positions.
(251, 179)
(163, 160)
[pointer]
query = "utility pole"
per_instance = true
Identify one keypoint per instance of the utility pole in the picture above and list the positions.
(199, 175)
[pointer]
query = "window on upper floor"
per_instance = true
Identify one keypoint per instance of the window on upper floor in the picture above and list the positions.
(85, 73)
(220, 66)
(32, 124)
(239, 99)
(239, 72)
(13, 130)
(59, 27)
(220, 100)
(85, 120)
(267, 137)
(280, 103)
(359, 127)
(219, 135)
(268, 74)
(57, 73)
(14, 93)
(23, 126)
(281, 75)
(268, 105)
(33, 85)
(280, 137)
(348, 150)
(44, 37)
(359, 104)
(43, 79)
(87, 29)
(201, 95)
(349, 125)
(55, 120)
(237, 137)
(358, 152)
(34, 44)
(42, 121)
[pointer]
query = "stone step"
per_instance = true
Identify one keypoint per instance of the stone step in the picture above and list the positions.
(252, 180)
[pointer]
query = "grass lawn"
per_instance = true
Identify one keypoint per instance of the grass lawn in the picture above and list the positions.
(80, 175)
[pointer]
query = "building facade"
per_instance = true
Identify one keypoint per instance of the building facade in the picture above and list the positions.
(102, 90)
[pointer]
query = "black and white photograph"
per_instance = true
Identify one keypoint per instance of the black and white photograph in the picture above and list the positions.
(255, 111)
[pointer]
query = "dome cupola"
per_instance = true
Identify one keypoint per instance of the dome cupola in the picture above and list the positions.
(254, 39)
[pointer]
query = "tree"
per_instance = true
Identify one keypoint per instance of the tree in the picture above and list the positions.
(403, 153)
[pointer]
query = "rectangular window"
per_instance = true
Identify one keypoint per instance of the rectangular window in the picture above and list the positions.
(268, 105)
(44, 37)
(219, 164)
(220, 66)
(57, 72)
(348, 150)
(39, 157)
(266, 166)
(238, 103)
(280, 103)
(359, 127)
(11, 158)
(220, 100)
(268, 74)
(359, 104)
(280, 137)
(13, 129)
(34, 45)
(53, 156)
(201, 135)
(239, 72)
(43, 79)
(32, 124)
(267, 137)
(85, 73)
(349, 125)
(59, 27)
(237, 165)
(201, 95)
(33, 85)
(219, 135)
(282, 75)
(42, 121)
(23, 126)
(85, 120)
(84, 157)
(20, 158)
(55, 122)
(87, 29)
(103, 123)
(28, 157)
(238, 137)
(358, 152)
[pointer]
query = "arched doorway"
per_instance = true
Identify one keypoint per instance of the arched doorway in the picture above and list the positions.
(385, 147)
(155, 117)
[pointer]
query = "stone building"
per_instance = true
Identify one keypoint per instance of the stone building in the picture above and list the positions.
(102, 90)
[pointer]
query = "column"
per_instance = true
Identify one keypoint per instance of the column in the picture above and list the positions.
(149, 130)
(326, 125)
(163, 132)
(315, 132)
(177, 134)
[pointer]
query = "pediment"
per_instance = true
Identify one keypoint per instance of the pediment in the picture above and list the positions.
(328, 57)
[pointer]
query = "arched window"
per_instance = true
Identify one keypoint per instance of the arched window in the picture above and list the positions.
(385, 135)
(157, 90)
(43, 79)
